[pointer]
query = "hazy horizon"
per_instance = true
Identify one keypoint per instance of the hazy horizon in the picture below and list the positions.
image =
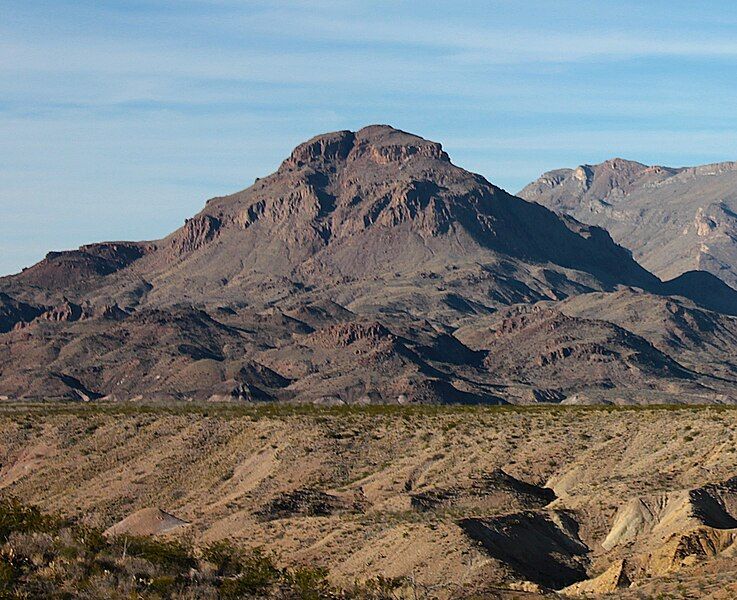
(119, 119)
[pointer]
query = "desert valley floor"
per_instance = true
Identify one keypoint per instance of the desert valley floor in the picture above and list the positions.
(467, 501)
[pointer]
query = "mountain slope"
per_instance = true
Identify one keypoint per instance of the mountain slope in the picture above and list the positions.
(543, 346)
(702, 340)
(673, 220)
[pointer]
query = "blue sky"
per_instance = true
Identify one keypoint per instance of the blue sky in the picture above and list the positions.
(118, 119)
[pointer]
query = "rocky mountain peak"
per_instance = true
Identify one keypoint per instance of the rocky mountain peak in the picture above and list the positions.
(384, 144)
(595, 186)
(674, 219)
(620, 164)
(328, 146)
(381, 144)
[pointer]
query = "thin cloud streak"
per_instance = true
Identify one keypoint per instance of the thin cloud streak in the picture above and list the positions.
(152, 109)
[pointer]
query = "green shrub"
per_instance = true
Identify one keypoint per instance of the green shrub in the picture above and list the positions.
(163, 585)
(17, 517)
(256, 575)
(8, 573)
(309, 583)
(164, 553)
(227, 558)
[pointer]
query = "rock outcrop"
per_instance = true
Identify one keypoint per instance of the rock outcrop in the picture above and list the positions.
(147, 521)
(614, 578)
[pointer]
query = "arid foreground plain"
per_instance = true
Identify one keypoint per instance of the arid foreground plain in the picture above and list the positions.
(456, 501)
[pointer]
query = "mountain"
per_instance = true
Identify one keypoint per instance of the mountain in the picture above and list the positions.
(375, 203)
(673, 220)
(350, 275)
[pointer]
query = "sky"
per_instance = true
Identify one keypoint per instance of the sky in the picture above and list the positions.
(118, 119)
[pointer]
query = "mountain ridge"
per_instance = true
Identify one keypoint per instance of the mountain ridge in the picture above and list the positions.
(376, 226)
(674, 220)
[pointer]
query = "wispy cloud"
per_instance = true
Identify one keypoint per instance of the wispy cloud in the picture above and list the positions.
(146, 108)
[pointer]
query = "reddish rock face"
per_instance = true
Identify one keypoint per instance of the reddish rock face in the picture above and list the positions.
(345, 334)
(65, 312)
(332, 146)
(196, 233)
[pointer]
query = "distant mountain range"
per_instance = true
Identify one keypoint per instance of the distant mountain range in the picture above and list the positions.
(369, 268)
(673, 220)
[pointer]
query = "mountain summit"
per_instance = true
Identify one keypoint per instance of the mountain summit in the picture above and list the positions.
(356, 203)
(375, 203)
